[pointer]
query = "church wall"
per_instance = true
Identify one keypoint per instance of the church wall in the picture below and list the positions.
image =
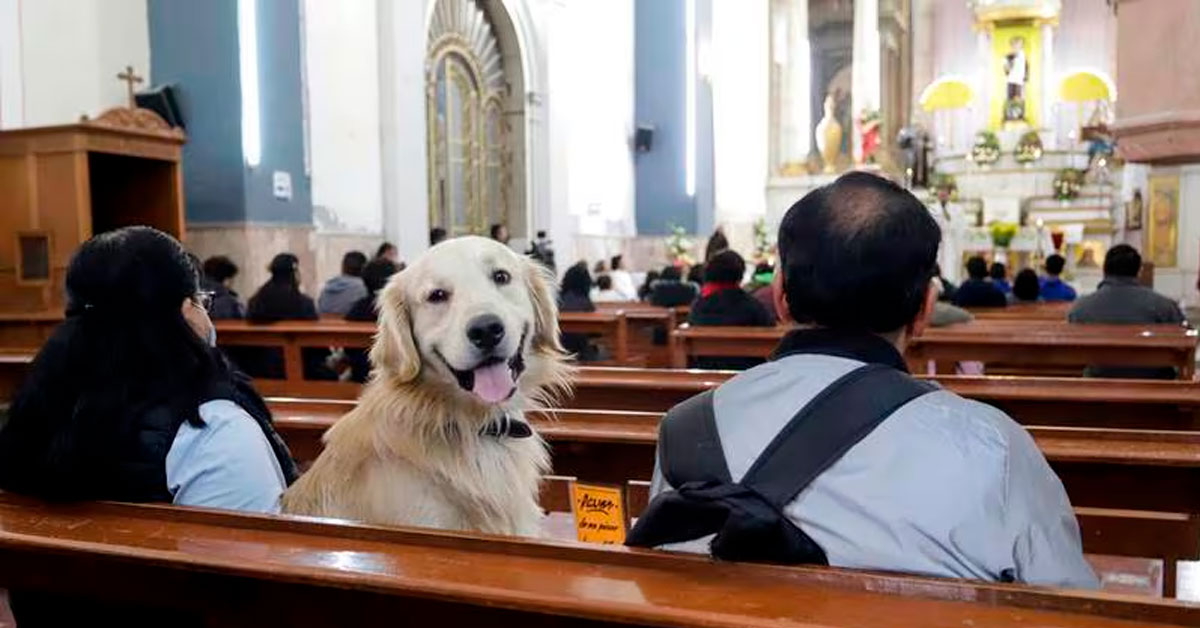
(195, 47)
(659, 51)
(71, 51)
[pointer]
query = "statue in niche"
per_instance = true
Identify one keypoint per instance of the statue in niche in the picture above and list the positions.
(829, 135)
(1016, 75)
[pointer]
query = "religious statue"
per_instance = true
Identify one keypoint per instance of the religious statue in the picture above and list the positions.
(868, 129)
(1016, 75)
(829, 136)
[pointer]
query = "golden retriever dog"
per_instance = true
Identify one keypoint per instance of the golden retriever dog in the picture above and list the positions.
(467, 343)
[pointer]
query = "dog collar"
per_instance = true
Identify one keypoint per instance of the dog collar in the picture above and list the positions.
(503, 426)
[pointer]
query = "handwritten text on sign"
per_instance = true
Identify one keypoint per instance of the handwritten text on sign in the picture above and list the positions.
(599, 514)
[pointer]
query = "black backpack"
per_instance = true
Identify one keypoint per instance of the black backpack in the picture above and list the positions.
(747, 517)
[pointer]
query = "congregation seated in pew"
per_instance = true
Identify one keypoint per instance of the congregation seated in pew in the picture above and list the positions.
(670, 290)
(1052, 287)
(575, 295)
(375, 276)
(280, 299)
(129, 400)
(1026, 287)
(1121, 299)
(978, 290)
(723, 302)
(341, 292)
(219, 272)
(929, 483)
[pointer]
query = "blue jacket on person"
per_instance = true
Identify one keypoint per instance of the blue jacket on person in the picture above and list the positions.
(1055, 289)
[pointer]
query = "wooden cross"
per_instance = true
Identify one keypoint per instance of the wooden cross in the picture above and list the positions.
(130, 79)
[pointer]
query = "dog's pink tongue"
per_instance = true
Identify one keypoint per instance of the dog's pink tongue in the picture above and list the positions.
(493, 383)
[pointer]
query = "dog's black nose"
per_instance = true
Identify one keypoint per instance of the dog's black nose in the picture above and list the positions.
(486, 331)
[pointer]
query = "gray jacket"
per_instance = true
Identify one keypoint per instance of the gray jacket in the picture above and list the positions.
(340, 294)
(944, 487)
(1124, 301)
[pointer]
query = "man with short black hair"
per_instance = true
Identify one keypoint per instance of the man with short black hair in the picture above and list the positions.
(977, 291)
(437, 235)
(936, 485)
(341, 292)
(1052, 287)
(1120, 299)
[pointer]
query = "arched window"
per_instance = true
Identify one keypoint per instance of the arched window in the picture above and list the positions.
(470, 163)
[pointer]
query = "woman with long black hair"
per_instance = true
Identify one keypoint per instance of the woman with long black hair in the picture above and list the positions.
(129, 400)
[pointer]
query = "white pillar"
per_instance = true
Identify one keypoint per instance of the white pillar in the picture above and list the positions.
(1049, 80)
(865, 79)
(794, 58)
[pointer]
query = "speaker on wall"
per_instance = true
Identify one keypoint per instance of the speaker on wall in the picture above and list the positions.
(643, 138)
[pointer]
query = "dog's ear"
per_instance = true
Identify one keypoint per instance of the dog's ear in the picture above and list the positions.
(539, 283)
(395, 351)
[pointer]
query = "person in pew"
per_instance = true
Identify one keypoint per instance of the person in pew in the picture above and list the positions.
(1121, 299)
(622, 280)
(375, 276)
(723, 302)
(946, 288)
(1027, 287)
(280, 299)
(695, 275)
(129, 400)
(1053, 288)
(760, 288)
(648, 285)
(499, 233)
(574, 295)
(830, 453)
(977, 291)
(671, 291)
(343, 291)
(436, 236)
(604, 291)
(219, 272)
(999, 275)
(389, 252)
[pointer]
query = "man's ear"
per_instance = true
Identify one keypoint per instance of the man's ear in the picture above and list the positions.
(395, 352)
(782, 312)
(925, 314)
(539, 283)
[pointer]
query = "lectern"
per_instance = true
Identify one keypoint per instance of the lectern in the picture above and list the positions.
(60, 185)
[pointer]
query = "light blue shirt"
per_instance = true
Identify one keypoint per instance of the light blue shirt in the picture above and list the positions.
(227, 463)
(944, 487)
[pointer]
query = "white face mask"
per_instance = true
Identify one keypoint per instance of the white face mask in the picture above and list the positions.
(212, 335)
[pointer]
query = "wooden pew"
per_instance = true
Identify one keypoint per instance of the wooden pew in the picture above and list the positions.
(290, 337)
(1052, 311)
(646, 324)
(257, 570)
(611, 326)
(28, 330)
(1069, 401)
(1125, 469)
(1026, 344)
(14, 366)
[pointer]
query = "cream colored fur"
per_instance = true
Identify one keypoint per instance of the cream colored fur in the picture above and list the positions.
(411, 453)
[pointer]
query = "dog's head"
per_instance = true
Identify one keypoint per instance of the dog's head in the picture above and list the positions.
(473, 315)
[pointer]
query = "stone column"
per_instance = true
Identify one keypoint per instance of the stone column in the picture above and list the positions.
(865, 80)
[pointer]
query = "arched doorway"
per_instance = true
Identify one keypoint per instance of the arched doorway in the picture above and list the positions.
(475, 118)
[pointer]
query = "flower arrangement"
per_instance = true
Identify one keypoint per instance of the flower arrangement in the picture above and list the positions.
(945, 187)
(1003, 233)
(1067, 183)
(986, 149)
(762, 241)
(679, 246)
(1029, 148)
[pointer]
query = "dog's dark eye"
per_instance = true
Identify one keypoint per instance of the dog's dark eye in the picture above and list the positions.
(501, 277)
(438, 296)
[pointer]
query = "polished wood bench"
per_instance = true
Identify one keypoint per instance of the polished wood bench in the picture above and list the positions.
(291, 337)
(1050, 311)
(1026, 344)
(650, 329)
(611, 326)
(259, 570)
(1065, 401)
(1103, 468)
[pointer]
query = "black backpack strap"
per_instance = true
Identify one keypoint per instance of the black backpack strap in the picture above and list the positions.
(827, 427)
(747, 517)
(689, 447)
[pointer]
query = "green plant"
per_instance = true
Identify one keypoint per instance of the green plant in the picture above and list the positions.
(1067, 183)
(762, 241)
(679, 245)
(986, 149)
(1029, 148)
(1003, 233)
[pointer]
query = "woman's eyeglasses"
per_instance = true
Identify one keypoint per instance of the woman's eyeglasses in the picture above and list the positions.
(204, 299)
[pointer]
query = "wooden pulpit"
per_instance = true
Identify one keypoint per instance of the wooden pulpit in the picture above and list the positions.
(60, 185)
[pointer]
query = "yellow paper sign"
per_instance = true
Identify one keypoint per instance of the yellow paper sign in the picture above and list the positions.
(599, 513)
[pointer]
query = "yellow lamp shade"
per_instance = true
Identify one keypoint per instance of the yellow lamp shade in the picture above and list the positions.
(1085, 86)
(946, 93)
